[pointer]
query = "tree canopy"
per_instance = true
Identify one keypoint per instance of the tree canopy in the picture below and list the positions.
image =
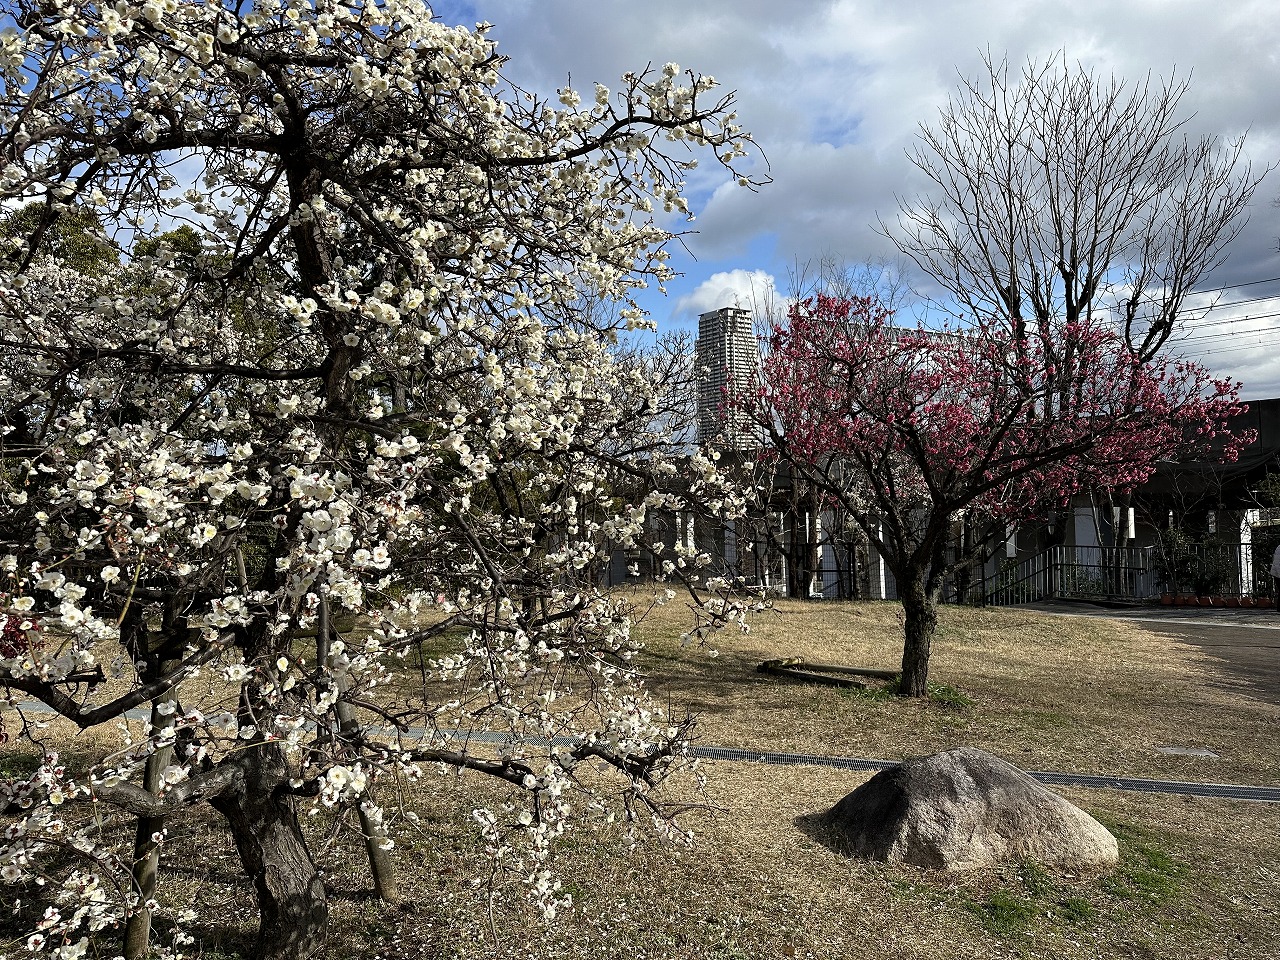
(1055, 193)
(348, 381)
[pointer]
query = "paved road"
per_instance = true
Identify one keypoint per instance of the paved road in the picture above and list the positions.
(1246, 643)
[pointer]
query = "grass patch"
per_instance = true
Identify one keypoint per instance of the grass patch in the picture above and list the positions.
(1004, 913)
(1147, 872)
(1036, 880)
(940, 694)
(1031, 903)
(19, 762)
(1077, 910)
(949, 698)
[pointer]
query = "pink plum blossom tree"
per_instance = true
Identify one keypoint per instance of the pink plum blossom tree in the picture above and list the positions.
(907, 429)
(360, 391)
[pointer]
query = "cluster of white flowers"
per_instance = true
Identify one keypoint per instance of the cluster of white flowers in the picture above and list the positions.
(365, 390)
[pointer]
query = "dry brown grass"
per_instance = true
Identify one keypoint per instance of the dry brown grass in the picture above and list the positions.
(1048, 693)
(1198, 878)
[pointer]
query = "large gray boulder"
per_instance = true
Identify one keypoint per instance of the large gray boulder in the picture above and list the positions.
(963, 809)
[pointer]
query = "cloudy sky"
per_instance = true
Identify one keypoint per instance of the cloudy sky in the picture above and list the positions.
(834, 92)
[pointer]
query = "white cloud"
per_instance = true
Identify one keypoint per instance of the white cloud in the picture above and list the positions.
(834, 91)
(733, 288)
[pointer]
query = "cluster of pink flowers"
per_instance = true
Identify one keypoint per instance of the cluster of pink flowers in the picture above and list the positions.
(990, 416)
(20, 633)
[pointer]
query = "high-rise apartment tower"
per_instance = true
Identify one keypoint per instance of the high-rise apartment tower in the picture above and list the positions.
(728, 357)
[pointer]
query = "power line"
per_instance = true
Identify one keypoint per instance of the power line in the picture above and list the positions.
(1214, 336)
(1196, 325)
(1254, 344)
(1210, 308)
(1235, 286)
(1234, 303)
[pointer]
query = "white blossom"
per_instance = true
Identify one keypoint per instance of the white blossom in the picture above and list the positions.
(360, 394)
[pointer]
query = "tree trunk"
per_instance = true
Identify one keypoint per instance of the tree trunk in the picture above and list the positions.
(380, 866)
(384, 875)
(795, 549)
(1056, 535)
(920, 621)
(813, 558)
(146, 851)
(264, 821)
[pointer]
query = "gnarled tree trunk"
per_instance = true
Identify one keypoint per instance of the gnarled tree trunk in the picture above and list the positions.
(264, 821)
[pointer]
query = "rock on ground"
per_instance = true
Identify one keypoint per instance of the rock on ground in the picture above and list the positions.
(963, 809)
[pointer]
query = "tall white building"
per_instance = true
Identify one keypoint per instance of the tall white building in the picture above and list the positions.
(728, 357)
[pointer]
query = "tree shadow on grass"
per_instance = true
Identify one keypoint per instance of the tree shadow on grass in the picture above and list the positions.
(818, 828)
(353, 894)
(208, 875)
(711, 685)
(734, 683)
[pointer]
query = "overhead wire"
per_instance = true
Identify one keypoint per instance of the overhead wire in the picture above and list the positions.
(1209, 309)
(1233, 303)
(1214, 336)
(1237, 286)
(1226, 321)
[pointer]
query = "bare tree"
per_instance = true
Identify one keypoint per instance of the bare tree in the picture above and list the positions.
(668, 415)
(831, 275)
(1061, 194)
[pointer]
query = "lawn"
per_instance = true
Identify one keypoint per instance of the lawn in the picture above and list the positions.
(1046, 693)
(1198, 878)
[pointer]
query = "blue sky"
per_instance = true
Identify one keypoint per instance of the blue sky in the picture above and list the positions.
(834, 90)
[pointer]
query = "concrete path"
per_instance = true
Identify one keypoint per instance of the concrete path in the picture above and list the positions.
(1245, 643)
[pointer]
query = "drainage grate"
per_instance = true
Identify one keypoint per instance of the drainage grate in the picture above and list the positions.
(1228, 791)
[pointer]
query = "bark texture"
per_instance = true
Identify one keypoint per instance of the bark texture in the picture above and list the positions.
(264, 821)
(920, 620)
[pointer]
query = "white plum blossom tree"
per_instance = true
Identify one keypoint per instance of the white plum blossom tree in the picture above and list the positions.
(357, 390)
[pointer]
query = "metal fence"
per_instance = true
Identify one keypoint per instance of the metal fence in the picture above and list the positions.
(1128, 573)
(1077, 572)
(1177, 568)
